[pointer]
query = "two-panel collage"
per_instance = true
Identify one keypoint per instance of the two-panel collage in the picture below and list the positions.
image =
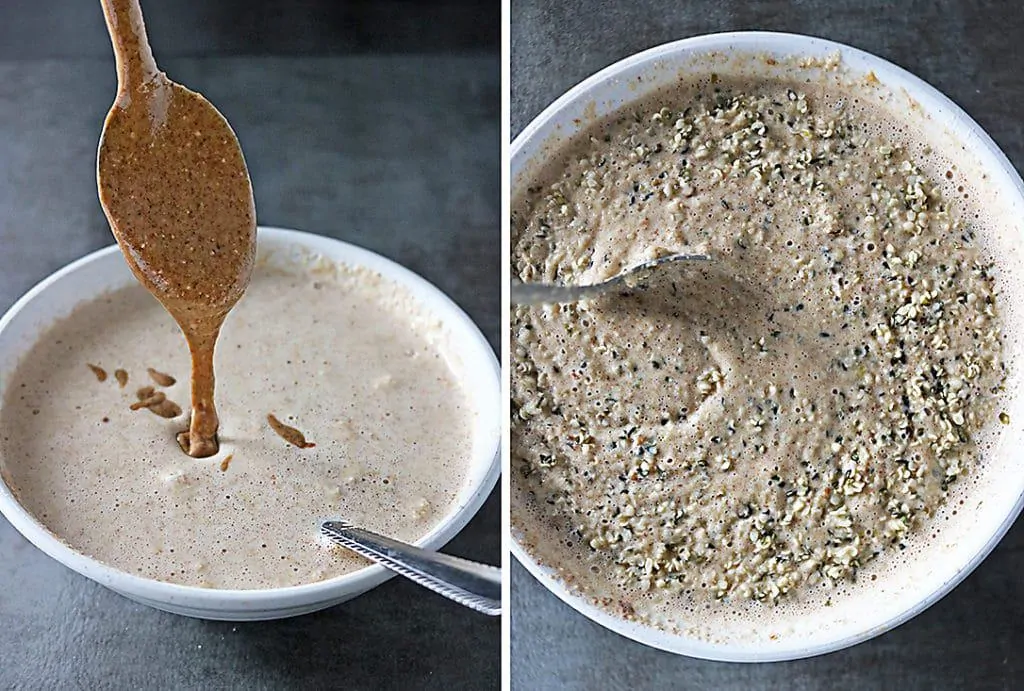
(460, 344)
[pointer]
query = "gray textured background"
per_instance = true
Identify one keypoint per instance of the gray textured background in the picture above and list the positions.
(971, 50)
(375, 122)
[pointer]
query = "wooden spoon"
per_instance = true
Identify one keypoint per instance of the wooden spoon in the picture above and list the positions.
(175, 189)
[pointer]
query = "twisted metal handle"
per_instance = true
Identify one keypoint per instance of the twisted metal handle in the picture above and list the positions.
(477, 586)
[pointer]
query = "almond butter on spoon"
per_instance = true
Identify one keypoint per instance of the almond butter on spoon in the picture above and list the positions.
(177, 194)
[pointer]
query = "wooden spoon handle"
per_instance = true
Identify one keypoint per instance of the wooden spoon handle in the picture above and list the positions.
(135, 63)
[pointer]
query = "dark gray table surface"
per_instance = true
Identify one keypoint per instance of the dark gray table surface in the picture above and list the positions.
(970, 50)
(396, 151)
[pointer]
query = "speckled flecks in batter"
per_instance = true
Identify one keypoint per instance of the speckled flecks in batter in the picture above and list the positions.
(783, 414)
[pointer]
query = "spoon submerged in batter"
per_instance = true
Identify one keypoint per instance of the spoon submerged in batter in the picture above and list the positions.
(630, 279)
(174, 186)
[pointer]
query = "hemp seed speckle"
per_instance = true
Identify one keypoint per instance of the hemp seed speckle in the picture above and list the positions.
(820, 381)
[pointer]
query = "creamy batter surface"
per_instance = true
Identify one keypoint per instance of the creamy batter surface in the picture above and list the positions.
(776, 418)
(342, 356)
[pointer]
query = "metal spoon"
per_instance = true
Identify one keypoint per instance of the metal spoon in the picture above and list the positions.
(477, 586)
(634, 277)
(175, 188)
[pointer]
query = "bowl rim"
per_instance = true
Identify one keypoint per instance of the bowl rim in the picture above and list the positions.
(780, 43)
(347, 585)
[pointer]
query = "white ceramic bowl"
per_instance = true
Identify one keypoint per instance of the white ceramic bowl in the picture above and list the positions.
(998, 492)
(106, 270)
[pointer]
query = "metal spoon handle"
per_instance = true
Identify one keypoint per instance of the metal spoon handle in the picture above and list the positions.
(477, 586)
(634, 277)
(132, 52)
(551, 293)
